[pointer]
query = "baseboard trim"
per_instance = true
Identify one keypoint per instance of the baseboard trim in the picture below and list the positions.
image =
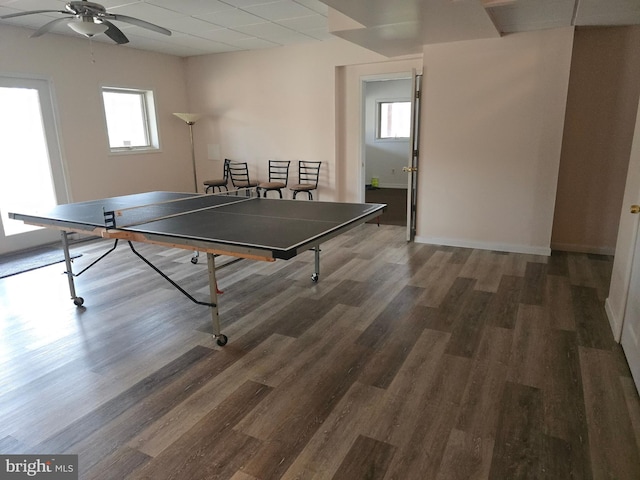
(500, 247)
(614, 322)
(590, 249)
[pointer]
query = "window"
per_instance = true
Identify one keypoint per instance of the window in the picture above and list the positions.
(131, 119)
(394, 120)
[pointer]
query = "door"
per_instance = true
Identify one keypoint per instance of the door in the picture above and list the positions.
(412, 168)
(630, 338)
(31, 171)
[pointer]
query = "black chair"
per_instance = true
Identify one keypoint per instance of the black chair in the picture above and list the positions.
(239, 174)
(308, 173)
(278, 177)
(219, 182)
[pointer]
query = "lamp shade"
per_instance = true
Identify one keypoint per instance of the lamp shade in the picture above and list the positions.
(87, 27)
(190, 118)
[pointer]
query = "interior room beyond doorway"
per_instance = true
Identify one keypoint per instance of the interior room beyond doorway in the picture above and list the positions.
(386, 145)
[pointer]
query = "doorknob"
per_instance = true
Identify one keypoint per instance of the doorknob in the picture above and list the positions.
(635, 209)
(415, 169)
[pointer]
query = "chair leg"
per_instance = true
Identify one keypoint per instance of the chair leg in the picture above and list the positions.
(310, 196)
(280, 192)
(295, 192)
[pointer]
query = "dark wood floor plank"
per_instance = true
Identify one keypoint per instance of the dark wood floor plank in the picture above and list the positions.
(590, 319)
(381, 329)
(367, 459)
(614, 452)
(394, 420)
(502, 311)
(362, 368)
(67, 439)
(564, 407)
(423, 445)
(445, 315)
(480, 405)
(469, 324)
(534, 279)
(304, 402)
(352, 416)
(119, 464)
(436, 276)
(466, 457)
(527, 364)
(519, 451)
(560, 303)
(211, 449)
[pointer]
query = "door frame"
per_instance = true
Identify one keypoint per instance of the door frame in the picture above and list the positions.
(402, 75)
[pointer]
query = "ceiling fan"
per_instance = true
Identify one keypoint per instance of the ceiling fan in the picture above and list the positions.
(89, 19)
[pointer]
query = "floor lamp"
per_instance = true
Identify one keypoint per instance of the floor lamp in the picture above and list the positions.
(190, 119)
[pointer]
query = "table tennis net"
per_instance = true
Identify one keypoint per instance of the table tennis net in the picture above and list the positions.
(141, 214)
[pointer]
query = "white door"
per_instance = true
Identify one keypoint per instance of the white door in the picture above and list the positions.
(412, 168)
(31, 170)
(630, 338)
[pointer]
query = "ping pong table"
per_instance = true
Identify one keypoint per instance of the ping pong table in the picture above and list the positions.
(229, 224)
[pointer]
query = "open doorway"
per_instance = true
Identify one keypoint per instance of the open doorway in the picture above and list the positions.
(386, 143)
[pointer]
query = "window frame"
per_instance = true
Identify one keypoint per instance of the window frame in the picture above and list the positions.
(149, 117)
(378, 131)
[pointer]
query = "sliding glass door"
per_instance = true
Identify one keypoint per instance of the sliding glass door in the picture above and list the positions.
(31, 170)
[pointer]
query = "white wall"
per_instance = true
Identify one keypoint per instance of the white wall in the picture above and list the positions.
(77, 68)
(384, 159)
(276, 104)
(491, 134)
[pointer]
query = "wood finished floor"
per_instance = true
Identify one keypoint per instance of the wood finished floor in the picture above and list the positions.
(406, 361)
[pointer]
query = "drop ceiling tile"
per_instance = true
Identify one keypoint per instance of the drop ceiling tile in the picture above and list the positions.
(316, 6)
(224, 35)
(185, 24)
(253, 44)
(300, 24)
(192, 7)
(232, 18)
(265, 30)
(247, 3)
(281, 10)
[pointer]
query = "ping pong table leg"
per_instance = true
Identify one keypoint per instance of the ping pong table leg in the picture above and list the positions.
(213, 289)
(316, 273)
(78, 301)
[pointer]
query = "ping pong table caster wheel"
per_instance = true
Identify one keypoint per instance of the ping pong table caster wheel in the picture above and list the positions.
(222, 340)
(315, 277)
(194, 260)
(78, 301)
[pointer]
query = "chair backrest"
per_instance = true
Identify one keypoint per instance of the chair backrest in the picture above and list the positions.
(226, 169)
(239, 173)
(308, 172)
(279, 171)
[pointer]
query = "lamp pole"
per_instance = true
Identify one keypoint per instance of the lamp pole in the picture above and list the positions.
(190, 119)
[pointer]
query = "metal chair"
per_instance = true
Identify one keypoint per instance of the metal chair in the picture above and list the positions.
(219, 182)
(278, 177)
(239, 174)
(308, 173)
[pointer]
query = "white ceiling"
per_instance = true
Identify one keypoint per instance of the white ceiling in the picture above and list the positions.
(389, 27)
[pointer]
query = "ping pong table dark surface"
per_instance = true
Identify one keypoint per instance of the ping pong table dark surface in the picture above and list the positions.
(274, 227)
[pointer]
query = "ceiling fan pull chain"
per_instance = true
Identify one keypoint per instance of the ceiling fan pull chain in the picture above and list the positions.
(93, 58)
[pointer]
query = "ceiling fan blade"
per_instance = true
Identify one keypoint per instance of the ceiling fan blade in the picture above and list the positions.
(48, 26)
(20, 14)
(114, 33)
(139, 23)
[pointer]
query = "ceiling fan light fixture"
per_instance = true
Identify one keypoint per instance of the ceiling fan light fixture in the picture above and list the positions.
(88, 27)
